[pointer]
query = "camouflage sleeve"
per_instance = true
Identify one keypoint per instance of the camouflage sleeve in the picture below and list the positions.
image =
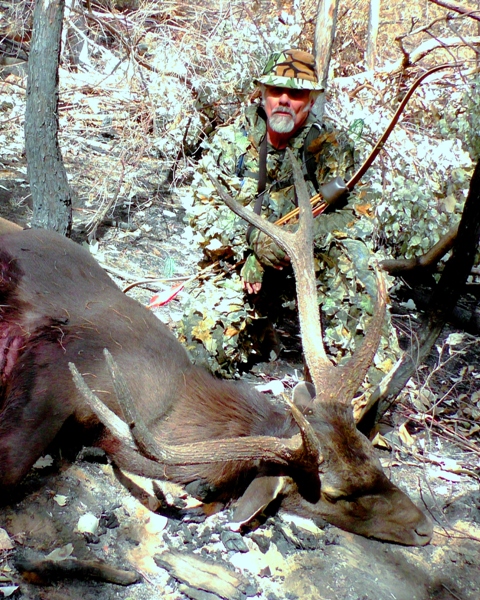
(334, 154)
(222, 231)
(335, 157)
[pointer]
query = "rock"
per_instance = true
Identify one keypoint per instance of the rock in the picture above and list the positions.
(233, 541)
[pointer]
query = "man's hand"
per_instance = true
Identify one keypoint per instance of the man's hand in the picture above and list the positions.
(267, 251)
(252, 275)
(252, 288)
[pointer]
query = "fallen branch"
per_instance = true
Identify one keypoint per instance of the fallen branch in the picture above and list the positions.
(463, 318)
(44, 571)
(214, 580)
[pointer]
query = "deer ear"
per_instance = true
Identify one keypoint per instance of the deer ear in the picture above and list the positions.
(259, 494)
(303, 395)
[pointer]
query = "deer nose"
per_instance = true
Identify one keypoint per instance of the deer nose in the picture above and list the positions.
(425, 529)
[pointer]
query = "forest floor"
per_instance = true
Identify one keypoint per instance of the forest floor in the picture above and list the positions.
(286, 557)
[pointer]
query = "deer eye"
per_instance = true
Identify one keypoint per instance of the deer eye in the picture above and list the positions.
(333, 496)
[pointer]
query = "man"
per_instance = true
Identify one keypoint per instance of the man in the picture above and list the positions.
(249, 157)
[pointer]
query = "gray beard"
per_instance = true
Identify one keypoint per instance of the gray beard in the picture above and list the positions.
(281, 123)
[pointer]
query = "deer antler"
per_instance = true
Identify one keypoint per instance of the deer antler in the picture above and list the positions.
(330, 382)
(132, 432)
(299, 247)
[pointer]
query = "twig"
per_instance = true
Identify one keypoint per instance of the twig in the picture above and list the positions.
(117, 272)
(463, 10)
(451, 435)
(187, 279)
(463, 535)
(155, 280)
(450, 591)
(427, 460)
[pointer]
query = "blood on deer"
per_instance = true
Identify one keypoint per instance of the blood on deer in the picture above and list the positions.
(158, 415)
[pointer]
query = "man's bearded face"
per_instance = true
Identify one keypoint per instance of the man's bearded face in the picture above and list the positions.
(286, 108)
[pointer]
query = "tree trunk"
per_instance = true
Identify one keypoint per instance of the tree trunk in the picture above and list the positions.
(372, 33)
(51, 193)
(322, 46)
(478, 33)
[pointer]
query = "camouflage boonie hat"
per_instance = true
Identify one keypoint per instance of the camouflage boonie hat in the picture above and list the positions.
(293, 69)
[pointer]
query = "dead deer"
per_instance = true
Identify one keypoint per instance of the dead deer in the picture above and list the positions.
(158, 415)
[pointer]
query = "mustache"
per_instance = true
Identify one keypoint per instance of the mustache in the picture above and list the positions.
(283, 109)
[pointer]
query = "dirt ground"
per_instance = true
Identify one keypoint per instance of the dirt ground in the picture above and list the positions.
(286, 557)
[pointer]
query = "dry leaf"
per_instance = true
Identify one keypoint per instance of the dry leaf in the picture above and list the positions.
(381, 442)
(44, 461)
(60, 499)
(60, 553)
(88, 523)
(365, 210)
(231, 331)
(8, 590)
(406, 438)
(5, 541)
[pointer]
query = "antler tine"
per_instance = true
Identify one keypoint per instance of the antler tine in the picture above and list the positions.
(145, 441)
(360, 362)
(136, 435)
(353, 372)
(108, 418)
(299, 247)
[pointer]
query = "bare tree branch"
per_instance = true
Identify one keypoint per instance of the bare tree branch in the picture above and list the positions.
(473, 13)
(411, 58)
(429, 260)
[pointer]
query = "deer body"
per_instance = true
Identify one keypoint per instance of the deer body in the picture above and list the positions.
(57, 306)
